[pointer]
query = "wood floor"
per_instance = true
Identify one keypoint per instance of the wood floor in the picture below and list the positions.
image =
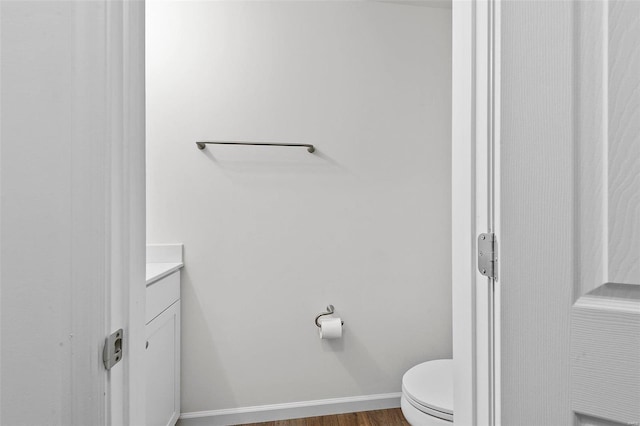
(392, 417)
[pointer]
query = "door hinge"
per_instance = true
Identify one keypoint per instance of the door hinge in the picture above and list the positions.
(488, 255)
(112, 352)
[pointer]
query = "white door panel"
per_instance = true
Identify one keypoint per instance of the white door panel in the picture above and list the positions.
(72, 210)
(569, 209)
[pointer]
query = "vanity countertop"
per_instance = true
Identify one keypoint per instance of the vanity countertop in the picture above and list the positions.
(158, 270)
(163, 260)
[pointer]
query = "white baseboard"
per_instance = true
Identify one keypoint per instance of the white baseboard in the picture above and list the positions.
(293, 410)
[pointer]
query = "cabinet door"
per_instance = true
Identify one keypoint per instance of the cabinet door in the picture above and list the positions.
(163, 368)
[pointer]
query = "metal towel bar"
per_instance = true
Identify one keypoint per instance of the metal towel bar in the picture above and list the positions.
(203, 144)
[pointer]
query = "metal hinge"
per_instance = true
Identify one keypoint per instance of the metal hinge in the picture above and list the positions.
(488, 255)
(112, 352)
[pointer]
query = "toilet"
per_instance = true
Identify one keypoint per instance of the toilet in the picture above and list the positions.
(427, 394)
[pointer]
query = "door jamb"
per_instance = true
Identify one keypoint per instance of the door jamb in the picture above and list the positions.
(475, 168)
(126, 229)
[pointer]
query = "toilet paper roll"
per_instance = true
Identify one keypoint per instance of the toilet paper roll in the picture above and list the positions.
(330, 328)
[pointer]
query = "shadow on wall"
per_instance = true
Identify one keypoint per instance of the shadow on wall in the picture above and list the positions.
(207, 380)
(354, 357)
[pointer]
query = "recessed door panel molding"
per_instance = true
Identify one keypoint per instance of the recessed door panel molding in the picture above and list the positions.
(623, 141)
(607, 143)
(605, 370)
(591, 130)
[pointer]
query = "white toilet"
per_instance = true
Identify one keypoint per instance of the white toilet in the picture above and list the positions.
(427, 394)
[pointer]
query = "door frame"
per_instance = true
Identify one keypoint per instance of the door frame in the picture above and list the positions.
(475, 191)
(117, 141)
(126, 226)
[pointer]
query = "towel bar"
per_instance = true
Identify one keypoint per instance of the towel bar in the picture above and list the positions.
(203, 144)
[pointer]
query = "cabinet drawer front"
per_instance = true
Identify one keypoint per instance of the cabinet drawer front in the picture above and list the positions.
(162, 294)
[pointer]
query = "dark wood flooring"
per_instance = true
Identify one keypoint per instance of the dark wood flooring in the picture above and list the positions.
(392, 417)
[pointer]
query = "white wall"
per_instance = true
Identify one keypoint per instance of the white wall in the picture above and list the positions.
(273, 235)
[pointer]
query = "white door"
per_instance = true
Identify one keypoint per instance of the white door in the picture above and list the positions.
(569, 213)
(71, 211)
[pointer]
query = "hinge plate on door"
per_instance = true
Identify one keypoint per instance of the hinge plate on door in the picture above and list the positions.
(112, 352)
(487, 254)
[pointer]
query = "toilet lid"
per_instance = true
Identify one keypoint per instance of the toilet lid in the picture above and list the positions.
(431, 384)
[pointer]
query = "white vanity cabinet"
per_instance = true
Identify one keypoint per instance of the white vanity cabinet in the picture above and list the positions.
(163, 367)
(162, 355)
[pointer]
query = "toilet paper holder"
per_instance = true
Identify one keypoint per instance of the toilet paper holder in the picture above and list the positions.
(330, 311)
